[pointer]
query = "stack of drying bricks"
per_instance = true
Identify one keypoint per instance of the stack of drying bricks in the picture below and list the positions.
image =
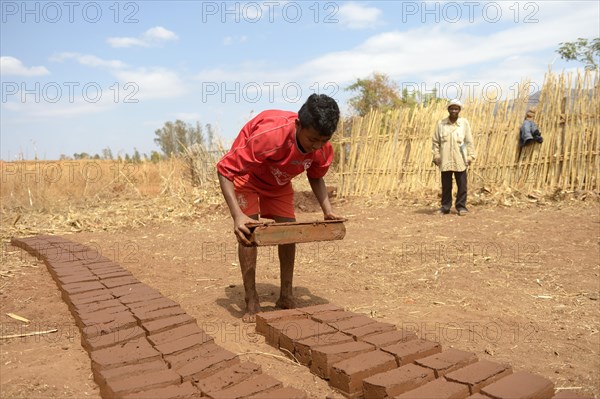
(142, 344)
(364, 358)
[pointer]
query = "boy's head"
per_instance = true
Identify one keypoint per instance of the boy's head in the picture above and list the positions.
(317, 120)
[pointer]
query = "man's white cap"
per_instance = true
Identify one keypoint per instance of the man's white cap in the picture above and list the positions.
(456, 101)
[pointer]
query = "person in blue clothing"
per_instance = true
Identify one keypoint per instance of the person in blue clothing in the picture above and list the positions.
(529, 131)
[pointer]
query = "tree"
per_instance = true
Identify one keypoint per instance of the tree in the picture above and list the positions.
(107, 153)
(377, 92)
(174, 137)
(581, 50)
(136, 156)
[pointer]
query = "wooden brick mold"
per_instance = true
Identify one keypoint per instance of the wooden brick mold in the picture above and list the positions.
(141, 344)
(365, 358)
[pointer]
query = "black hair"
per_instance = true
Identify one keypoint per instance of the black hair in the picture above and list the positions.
(320, 112)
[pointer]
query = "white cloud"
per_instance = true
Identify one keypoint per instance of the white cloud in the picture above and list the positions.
(14, 66)
(153, 37)
(89, 60)
(188, 116)
(229, 40)
(153, 83)
(357, 16)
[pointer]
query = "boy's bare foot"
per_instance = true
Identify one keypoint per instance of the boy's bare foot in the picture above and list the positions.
(286, 303)
(252, 308)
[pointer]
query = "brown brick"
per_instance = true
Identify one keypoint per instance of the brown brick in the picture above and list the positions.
(389, 338)
(137, 288)
(407, 352)
(281, 393)
(183, 344)
(303, 348)
(138, 351)
(478, 396)
(179, 391)
(297, 330)
(348, 375)
(120, 322)
(113, 338)
(156, 326)
(173, 334)
(209, 363)
(148, 380)
(353, 322)
(333, 316)
(438, 389)
(396, 381)
(154, 304)
(105, 316)
(480, 374)
(325, 307)
(137, 297)
(522, 385)
(227, 377)
(374, 328)
(90, 297)
(78, 288)
(297, 232)
(97, 306)
(252, 386)
(82, 277)
(264, 318)
(145, 316)
(183, 358)
(118, 281)
(325, 356)
(447, 361)
(115, 274)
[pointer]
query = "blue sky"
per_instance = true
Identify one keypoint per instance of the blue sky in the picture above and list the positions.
(83, 76)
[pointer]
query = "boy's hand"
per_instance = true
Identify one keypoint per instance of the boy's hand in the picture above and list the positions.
(240, 230)
(332, 216)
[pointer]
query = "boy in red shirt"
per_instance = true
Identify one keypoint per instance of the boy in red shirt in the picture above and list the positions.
(255, 178)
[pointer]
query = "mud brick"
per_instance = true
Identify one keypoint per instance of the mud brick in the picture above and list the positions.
(136, 288)
(252, 386)
(479, 374)
(154, 304)
(208, 364)
(520, 385)
(185, 390)
(96, 306)
(183, 344)
(407, 352)
(227, 377)
(297, 232)
(265, 318)
(281, 393)
(138, 351)
(439, 389)
(314, 309)
(103, 316)
(447, 361)
(570, 394)
(297, 330)
(100, 259)
(156, 326)
(142, 297)
(370, 329)
(348, 375)
(89, 256)
(77, 278)
(303, 348)
(89, 297)
(333, 316)
(152, 379)
(157, 314)
(120, 322)
(176, 333)
(121, 273)
(389, 338)
(67, 270)
(353, 322)
(478, 396)
(99, 266)
(119, 281)
(277, 328)
(396, 381)
(127, 371)
(114, 338)
(322, 358)
(181, 359)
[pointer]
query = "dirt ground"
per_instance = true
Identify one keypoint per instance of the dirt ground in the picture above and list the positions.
(512, 284)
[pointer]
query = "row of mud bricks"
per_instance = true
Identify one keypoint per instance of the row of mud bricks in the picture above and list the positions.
(364, 358)
(142, 344)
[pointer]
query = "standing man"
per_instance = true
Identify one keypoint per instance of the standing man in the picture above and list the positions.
(453, 151)
(256, 180)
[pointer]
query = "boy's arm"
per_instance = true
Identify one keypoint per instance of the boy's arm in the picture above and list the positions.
(239, 218)
(318, 187)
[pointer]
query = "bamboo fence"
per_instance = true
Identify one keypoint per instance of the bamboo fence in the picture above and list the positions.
(388, 154)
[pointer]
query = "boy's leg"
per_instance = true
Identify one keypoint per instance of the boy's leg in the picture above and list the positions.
(247, 257)
(287, 257)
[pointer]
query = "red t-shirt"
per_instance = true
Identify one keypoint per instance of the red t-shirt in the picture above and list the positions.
(266, 154)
